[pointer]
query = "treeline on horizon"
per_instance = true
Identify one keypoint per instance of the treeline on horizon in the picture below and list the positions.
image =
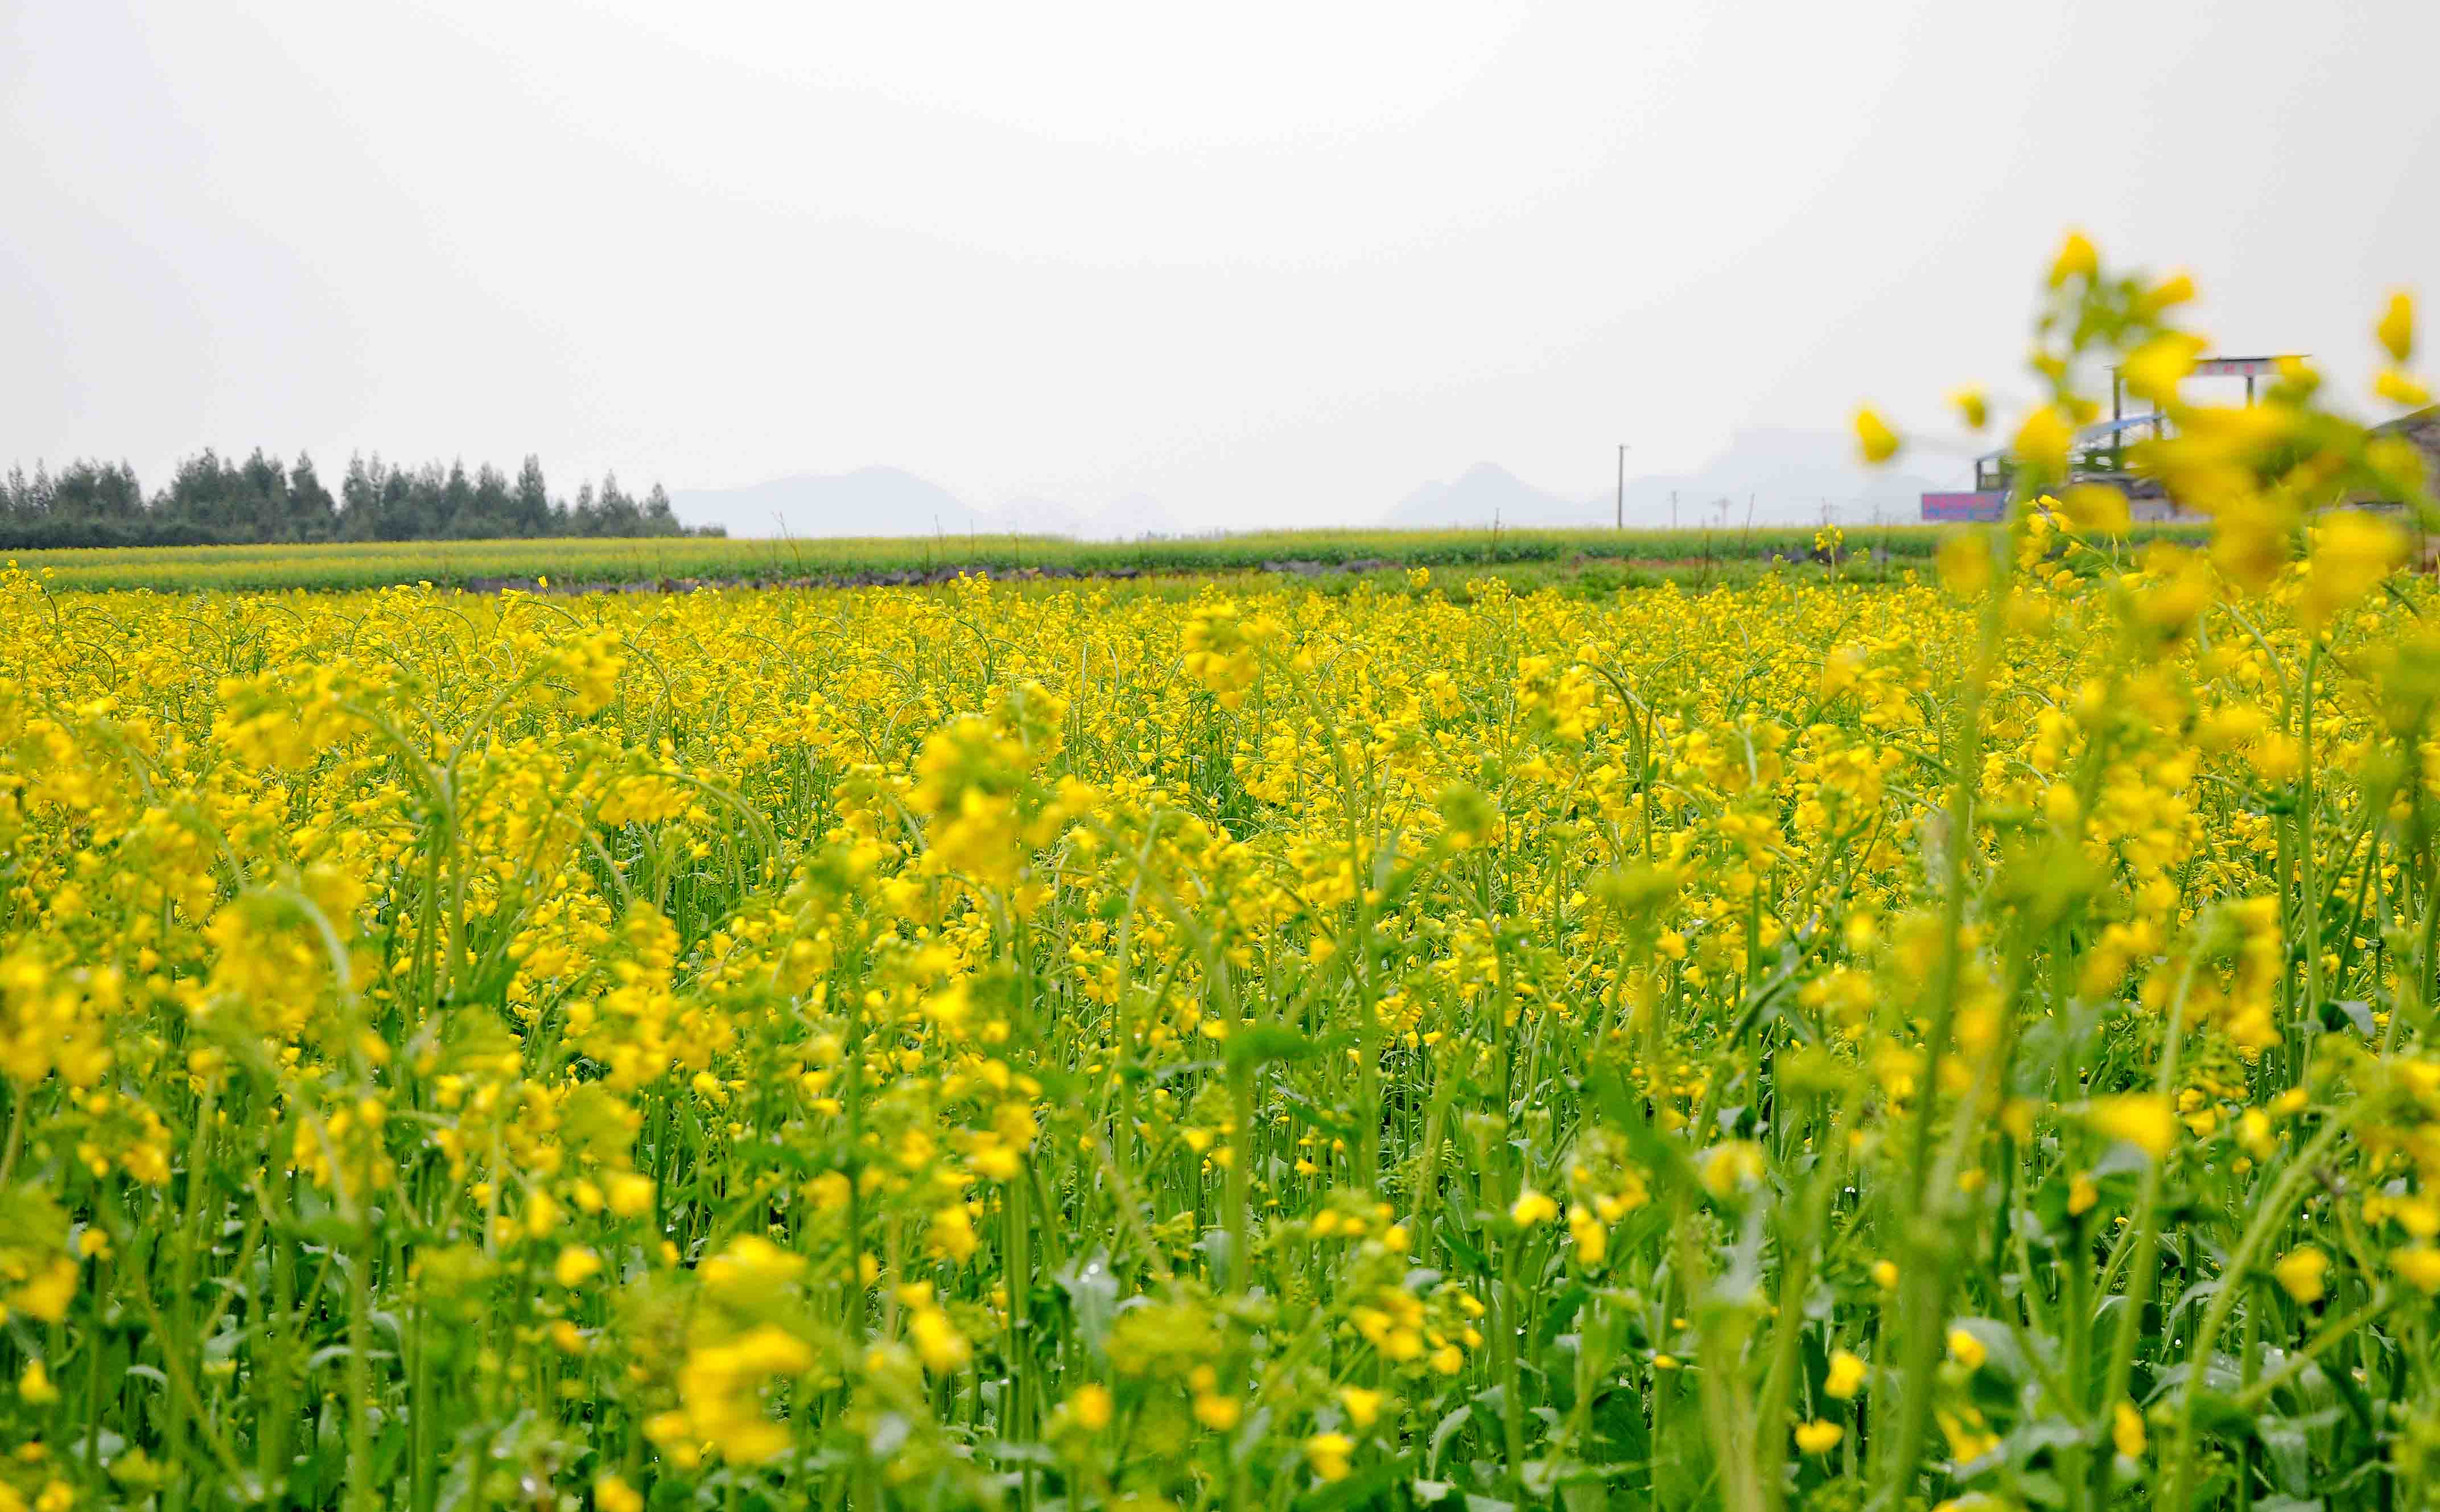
(214, 501)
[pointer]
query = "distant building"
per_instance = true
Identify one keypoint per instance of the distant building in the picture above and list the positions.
(2100, 454)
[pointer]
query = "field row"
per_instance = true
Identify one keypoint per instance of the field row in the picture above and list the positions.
(595, 562)
(963, 1046)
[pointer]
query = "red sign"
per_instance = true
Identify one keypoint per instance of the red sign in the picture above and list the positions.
(1990, 504)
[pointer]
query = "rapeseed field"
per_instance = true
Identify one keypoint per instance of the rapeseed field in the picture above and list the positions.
(1964, 1041)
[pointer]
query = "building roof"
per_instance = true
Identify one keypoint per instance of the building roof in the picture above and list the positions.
(2091, 433)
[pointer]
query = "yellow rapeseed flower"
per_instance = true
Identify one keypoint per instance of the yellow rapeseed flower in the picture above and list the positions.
(2299, 1273)
(1332, 1455)
(2042, 440)
(2418, 1266)
(2096, 508)
(1873, 438)
(2396, 326)
(1967, 1350)
(2401, 388)
(2353, 550)
(575, 1266)
(1091, 1407)
(611, 1493)
(34, 1386)
(1965, 564)
(2075, 258)
(1819, 1437)
(2126, 1429)
(1532, 1208)
(2145, 1120)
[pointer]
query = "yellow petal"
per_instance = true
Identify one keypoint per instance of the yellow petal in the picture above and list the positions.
(1874, 435)
(2397, 327)
(2076, 259)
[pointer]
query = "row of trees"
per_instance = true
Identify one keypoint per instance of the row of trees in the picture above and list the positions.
(212, 500)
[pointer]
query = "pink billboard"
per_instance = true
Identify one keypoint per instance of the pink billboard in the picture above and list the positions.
(1988, 504)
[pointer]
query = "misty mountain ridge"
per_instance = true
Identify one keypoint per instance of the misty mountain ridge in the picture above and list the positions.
(1484, 494)
(1781, 476)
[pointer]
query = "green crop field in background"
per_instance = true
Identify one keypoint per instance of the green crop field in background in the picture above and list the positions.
(602, 562)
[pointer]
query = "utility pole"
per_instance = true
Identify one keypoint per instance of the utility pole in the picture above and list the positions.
(1621, 485)
(1673, 509)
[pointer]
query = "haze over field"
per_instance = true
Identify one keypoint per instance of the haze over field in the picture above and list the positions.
(1769, 475)
(1113, 268)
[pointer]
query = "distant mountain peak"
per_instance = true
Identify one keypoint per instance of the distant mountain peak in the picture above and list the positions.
(1780, 474)
(1484, 493)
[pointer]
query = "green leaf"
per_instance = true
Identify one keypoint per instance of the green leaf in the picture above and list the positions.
(1455, 1238)
(1456, 1419)
(2218, 1414)
(1356, 1489)
(1304, 1110)
(1260, 1044)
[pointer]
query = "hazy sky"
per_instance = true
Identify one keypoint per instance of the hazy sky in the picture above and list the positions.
(1265, 262)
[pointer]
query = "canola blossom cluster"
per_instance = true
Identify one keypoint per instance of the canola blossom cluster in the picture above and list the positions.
(1965, 1042)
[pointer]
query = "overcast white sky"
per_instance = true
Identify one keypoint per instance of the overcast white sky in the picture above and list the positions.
(1266, 262)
